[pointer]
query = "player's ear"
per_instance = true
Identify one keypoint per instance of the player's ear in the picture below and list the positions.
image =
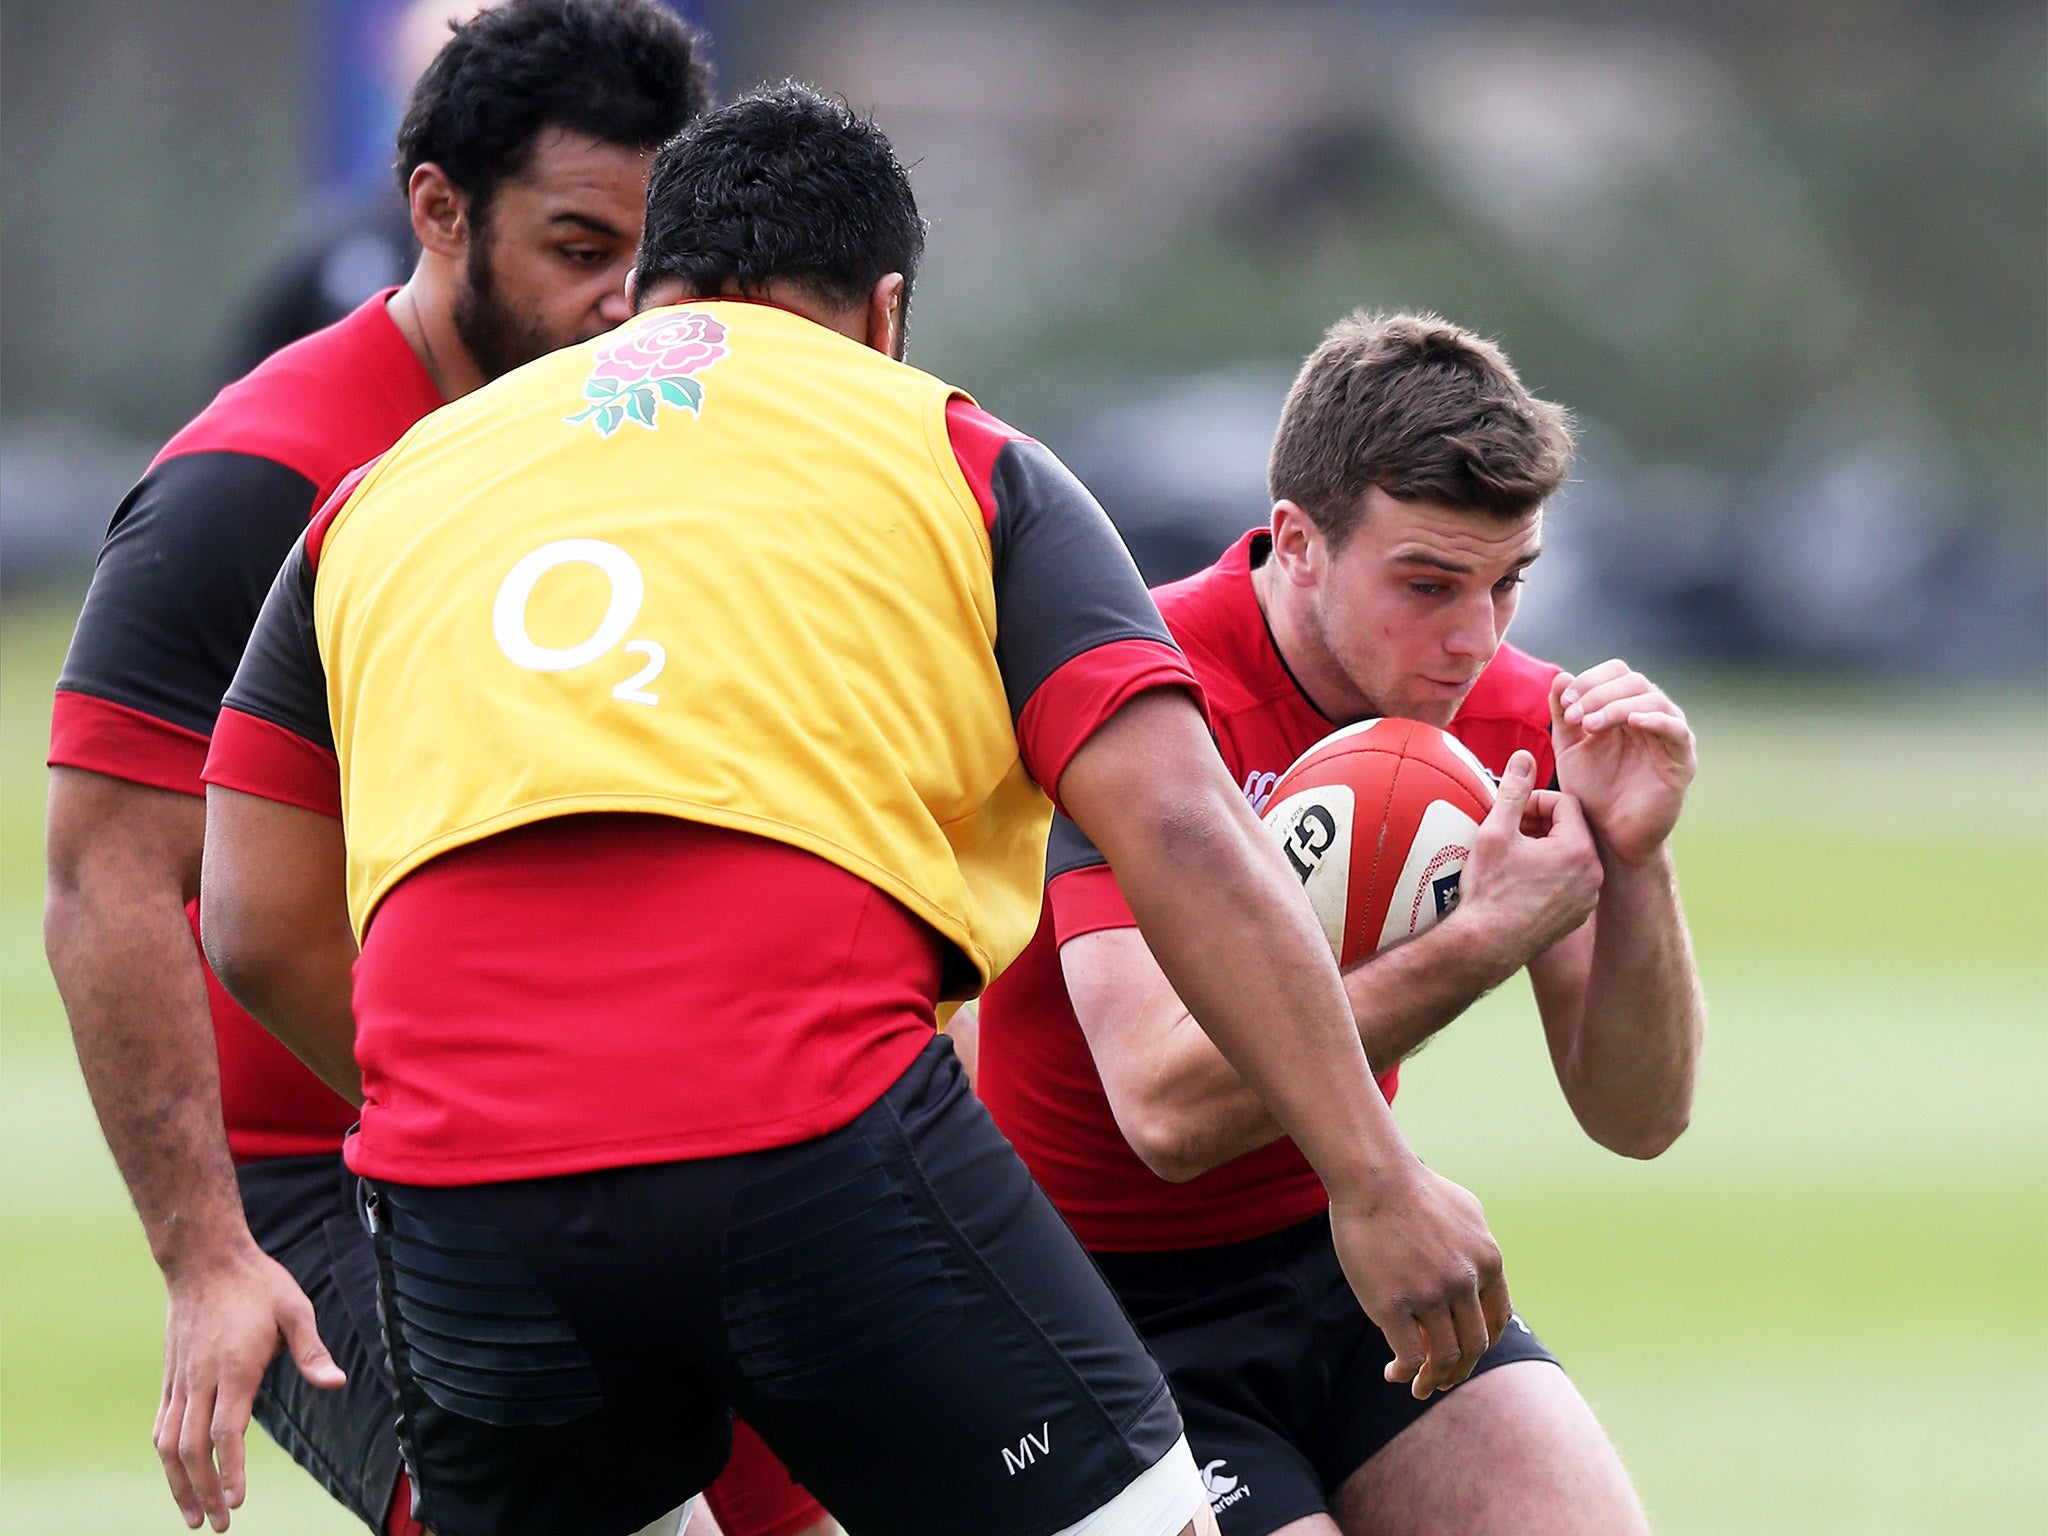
(885, 316)
(440, 212)
(1297, 543)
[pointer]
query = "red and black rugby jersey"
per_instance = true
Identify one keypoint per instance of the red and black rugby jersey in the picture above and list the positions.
(188, 558)
(598, 991)
(1036, 1073)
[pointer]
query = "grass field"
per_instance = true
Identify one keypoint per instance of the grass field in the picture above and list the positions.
(1824, 1311)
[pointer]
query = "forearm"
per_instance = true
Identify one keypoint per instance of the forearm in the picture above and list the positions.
(1224, 894)
(1200, 1114)
(132, 986)
(1208, 888)
(1403, 996)
(1224, 919)
(1628, 1067)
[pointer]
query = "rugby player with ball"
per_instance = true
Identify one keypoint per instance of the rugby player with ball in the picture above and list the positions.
(1409, 477)
(695, 702)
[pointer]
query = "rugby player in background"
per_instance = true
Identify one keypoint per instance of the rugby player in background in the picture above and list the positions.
(1409, 475)
(684, 776)
(523, 157)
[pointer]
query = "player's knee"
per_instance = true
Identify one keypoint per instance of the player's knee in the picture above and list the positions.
(1166, 1499)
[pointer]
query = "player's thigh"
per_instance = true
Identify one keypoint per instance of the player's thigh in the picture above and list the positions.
(1513, 1452)
(532, 1339)
(301, 1211)
(919, 1337)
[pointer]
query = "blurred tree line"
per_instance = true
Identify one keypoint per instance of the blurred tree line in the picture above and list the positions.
(1789, 264)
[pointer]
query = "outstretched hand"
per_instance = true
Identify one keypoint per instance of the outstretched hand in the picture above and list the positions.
(1625, 751)
(227, 1320)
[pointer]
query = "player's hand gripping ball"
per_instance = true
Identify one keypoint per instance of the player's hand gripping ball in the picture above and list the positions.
(1378, 819)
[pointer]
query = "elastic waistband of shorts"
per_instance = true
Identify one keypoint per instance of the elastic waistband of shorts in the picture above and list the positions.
(285, 1174)
(1217, 1265)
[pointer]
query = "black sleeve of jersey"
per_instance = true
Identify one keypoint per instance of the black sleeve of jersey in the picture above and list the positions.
(1068, 849)
(1064, 582)
(188, 557)
(282, 678)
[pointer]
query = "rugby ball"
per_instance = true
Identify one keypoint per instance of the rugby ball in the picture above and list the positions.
(1378, 820)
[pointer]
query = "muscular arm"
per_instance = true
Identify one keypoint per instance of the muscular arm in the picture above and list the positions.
(1624, 1014)
(1621, 1000)
(1179, 1103)
(123, 861)
(1231, 928)
(275, 922)
(188, 557)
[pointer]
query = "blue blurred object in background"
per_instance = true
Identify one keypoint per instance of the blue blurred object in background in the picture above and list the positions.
(365, 56)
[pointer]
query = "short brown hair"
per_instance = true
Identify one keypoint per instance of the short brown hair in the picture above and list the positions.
(1422, 409)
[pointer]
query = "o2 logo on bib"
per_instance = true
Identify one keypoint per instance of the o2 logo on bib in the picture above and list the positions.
(628, 590)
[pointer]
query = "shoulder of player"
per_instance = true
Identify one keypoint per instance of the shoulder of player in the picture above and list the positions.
(1200, 615)
(1515, 686)
(196, 528)
(320, 406)
(979, 441)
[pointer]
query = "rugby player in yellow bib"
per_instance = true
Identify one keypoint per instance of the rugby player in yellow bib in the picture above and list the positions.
(695, 702)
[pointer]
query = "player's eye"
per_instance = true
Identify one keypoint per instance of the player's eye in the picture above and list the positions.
(1508, 582)
(1426, 588)
(584, 255)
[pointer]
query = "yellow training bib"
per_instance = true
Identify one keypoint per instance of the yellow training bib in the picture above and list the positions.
(721, 564)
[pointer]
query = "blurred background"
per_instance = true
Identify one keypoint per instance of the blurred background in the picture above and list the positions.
(1789, 266)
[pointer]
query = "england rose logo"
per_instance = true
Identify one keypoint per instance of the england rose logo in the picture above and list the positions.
(640, 370)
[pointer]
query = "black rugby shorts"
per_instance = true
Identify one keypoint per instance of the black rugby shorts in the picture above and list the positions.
(302, 1212)
(895, 1307)
(1276, 1367)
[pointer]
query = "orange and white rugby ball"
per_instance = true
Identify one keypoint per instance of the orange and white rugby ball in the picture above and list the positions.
(1378, 819)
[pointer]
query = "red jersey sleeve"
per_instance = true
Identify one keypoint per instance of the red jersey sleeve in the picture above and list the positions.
(1072, 704)
(1086, 900)
(258, 757)
(191, 551)
(123, 742)
(273, 737)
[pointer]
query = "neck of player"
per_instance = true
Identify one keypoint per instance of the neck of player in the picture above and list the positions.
(1315, 671)
(424, 312)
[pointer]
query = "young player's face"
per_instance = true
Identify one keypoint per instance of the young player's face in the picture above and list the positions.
(547, 268)
(1414, 604)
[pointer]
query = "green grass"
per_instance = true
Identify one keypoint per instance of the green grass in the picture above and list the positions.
(1824, 1311)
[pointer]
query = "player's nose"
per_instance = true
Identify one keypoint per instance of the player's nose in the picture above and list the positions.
(1471, 629)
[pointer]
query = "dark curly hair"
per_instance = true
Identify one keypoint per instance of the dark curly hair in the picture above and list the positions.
(619, 71)
(782, 183)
